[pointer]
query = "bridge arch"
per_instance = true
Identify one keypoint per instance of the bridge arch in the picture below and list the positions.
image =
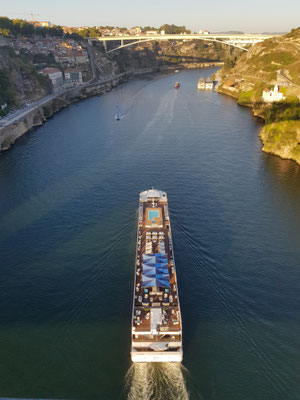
(158, 39)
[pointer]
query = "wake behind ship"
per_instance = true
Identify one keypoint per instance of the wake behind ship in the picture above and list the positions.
(156, 317)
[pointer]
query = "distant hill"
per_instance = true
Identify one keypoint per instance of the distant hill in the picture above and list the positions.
(229, 33)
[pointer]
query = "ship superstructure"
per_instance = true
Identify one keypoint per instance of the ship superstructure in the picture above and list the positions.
(156, 317)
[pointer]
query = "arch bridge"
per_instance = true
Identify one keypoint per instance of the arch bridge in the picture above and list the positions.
(238, 40)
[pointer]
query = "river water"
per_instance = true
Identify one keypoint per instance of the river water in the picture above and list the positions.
(68, 200)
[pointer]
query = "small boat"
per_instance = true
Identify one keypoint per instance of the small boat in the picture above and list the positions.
(176, 70)
(177, 84)
(117, 117)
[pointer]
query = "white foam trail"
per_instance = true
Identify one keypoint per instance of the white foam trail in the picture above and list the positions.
(156, 381)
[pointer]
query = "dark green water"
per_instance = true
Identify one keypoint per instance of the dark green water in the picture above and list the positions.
(68, 200)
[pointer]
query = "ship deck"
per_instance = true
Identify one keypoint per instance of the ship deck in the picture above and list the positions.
(161, 301)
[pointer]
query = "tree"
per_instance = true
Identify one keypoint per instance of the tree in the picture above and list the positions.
(174, 29)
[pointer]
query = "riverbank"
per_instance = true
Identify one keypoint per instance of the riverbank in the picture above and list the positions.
(246, 76)
(280, 135)
(47, 107)
(39, 114)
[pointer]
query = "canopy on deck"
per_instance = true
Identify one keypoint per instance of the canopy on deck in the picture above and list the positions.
(155, 270)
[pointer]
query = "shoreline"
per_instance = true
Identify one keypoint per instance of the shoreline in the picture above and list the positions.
(272, 134)
(40, 113)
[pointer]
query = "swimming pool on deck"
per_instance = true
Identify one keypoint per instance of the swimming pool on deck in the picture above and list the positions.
(152, 214)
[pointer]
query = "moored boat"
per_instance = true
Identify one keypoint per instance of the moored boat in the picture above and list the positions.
(156, 317)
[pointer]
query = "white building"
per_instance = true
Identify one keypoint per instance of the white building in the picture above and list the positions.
(46, 24)
(55, 75)
(73, 75)
(269, 96)
(136, 30)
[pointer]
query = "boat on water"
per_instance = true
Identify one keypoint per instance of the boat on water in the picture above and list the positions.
(177, 85)
(156, 318)
(205, 84)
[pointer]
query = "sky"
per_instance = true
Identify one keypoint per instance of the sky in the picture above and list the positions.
(215, 16)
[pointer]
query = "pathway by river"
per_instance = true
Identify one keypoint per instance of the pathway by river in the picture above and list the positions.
(68, 200)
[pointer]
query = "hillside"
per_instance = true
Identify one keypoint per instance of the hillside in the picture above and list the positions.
(275, 61)
(262, 61)
(190, 54)
(19, 80)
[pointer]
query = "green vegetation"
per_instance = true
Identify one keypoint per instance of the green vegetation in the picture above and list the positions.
(283, 139)
(258, 70)
(287, 110)
(229, 62)
(174, 29)
(7, 93)
(44, 59)
(14, 27)
(149, 28)
(294, 34)
(18, 68)
(47, 111)
(294, 72)
(86, 32)
(245, 98)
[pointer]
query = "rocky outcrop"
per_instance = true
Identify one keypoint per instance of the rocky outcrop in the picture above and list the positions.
(282, 139)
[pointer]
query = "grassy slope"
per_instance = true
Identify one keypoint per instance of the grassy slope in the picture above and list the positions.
(256, 70)
(264, 59)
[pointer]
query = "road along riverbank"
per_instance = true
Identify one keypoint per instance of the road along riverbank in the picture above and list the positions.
(38, 113)
(42, 110)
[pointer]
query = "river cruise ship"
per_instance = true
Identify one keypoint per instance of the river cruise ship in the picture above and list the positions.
(156, 318)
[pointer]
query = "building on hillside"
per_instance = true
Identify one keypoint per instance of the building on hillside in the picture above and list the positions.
(135, 31)
(81, 56)
(55, 75)
(47, 24)
(231, 86)
(269, 96)
(73, 75)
